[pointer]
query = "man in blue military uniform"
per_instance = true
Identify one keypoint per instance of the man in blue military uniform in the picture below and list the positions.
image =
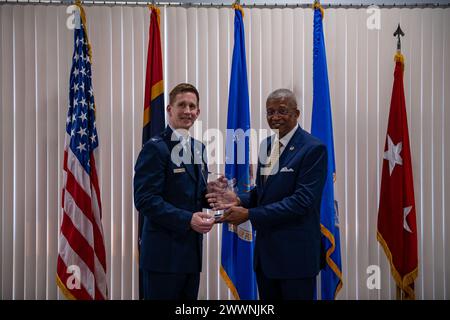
(169, 190)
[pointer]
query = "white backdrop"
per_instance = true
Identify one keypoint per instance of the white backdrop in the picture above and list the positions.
(35, 54)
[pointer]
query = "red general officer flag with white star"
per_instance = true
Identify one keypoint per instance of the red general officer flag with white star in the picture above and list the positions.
(397, 231)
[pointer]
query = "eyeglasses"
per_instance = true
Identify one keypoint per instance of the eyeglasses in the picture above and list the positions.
(281, 112)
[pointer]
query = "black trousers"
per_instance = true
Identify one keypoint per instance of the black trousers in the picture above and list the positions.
(285, 289)
(170, 286)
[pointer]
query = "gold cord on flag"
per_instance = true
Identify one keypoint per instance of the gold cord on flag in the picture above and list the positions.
(83, 20)
(229, 283)
(158, 12)
(237, 6)
(63, 289)
(333, 266)
(400, 58)
(405, 283)
(317, 5)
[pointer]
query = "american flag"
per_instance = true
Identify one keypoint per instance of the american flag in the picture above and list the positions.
(81, 267)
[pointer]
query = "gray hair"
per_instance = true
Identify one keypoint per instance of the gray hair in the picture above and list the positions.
(283, 94)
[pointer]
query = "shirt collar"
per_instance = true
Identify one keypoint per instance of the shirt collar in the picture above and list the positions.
(285, 140)
(180, 136)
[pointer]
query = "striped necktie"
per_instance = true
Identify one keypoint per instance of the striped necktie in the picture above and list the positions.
(273, 159)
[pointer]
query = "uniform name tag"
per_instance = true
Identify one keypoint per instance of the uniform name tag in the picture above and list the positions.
(179, 170)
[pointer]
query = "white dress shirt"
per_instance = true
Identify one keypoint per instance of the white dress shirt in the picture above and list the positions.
(285, 140)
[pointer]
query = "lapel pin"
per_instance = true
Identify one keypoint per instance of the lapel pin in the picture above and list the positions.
(291, 148)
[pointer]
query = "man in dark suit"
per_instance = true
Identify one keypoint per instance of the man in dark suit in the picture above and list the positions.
(284, 207)
(169, 190)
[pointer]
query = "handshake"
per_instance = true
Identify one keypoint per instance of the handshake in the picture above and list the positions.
(220, 196)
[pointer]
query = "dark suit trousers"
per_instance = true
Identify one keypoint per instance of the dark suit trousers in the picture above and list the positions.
(170, 286)
(285, 289)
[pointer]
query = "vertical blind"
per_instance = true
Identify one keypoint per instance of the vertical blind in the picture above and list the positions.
(35, 54)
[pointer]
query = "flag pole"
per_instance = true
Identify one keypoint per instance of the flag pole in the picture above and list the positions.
(399, 33)
(398, 293)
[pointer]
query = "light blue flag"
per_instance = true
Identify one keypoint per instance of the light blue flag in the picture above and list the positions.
(237, 243)
(322, 128)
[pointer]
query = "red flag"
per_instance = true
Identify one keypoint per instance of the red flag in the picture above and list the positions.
(397, 230)
(154, 122)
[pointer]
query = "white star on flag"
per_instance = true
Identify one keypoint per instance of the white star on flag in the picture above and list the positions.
(81, 147)
(83, 116)
(76, 72)
(83, 102)
(406, 211)
(82, 132)
(393, 154)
